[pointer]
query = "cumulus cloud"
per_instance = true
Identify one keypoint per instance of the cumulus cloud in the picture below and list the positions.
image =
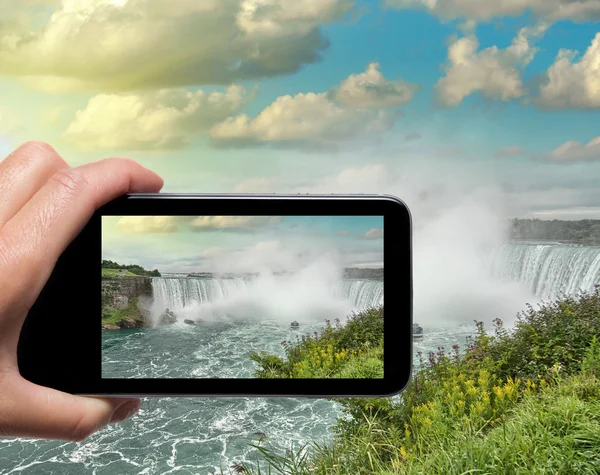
(481, 10)
(572, 152)
(165, 119)
(169, 224)
(148, 224)
(570, 83)
(494, 72)
(373, 234)
(132, 44)
(357, 107)
(510, 151)
(247, 223)
(371, 90)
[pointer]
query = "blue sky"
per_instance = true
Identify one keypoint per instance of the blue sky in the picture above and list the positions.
(241, 243)
(405, 97)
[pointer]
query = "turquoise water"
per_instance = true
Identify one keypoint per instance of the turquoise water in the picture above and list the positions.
(207, 350)
(189, 435)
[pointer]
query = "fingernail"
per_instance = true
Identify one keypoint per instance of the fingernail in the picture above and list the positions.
(125, 411)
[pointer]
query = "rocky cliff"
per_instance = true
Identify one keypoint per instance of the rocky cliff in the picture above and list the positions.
(125, 302)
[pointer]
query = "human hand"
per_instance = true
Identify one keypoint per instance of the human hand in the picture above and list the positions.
(44, 204)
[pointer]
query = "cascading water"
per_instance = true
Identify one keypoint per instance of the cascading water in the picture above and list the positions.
(362, 293)
(182, 292)
(548, 270)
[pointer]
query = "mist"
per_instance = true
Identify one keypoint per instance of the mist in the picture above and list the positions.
(307, 295)
(459, 219)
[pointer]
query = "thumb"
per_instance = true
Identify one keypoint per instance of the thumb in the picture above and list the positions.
(45, 413)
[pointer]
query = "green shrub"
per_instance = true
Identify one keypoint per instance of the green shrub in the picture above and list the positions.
(355, 348)
(520, 401)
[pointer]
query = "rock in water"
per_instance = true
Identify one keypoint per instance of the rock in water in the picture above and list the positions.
(110, 326)
(189, 322)
(129, 323)
(167, 318)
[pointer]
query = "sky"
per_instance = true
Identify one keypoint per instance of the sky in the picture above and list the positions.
(184, 244)
(443, 103)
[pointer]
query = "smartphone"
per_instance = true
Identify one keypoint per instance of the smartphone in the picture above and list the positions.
(229, 295)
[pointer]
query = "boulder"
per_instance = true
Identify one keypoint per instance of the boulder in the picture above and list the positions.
(167, 318)
(189, 322)
(110, 326)
(129, 323)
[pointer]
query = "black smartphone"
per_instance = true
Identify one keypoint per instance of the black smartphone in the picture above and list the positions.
(229, 295)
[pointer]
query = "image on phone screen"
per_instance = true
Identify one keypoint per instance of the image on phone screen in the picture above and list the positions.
(242, 296)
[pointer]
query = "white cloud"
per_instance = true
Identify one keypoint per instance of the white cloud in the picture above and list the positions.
(148, 224)
(272, 17)
(366, 179)
(165, 119)
(572, 151)
(494, 72)
(256, 185)
(371, 90)
(571, 83)
(373, 234)
(352, 110)
(484, 10)
(131, 44)
(205, 223)
(510, 151)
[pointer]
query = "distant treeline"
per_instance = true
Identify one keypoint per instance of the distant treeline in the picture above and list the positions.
(349, 273)
(133, 268)
(369, 274)
(585, 231)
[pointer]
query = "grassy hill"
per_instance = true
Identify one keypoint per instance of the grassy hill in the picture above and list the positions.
(522, 401)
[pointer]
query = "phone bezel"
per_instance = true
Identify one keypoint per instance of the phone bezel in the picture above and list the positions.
(73, 363)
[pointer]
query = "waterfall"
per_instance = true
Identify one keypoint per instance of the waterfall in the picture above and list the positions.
(548, 270)
(182, 292)
(362, 293)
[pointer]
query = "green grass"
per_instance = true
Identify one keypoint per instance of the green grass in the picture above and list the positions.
(352, 350)
(524, 401)
(117, 317)
(554, 432)
(116, 273)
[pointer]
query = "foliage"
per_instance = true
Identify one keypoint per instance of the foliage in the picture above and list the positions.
(133, 268)
(341, 351)
(519, 401)
(116, 273)
(118, 316)
(556, 333)
(584, 231)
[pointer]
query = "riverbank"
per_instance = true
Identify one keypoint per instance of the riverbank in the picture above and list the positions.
(352, 350)
(523, 400)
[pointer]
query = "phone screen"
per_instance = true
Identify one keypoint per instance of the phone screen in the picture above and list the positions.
(242, 297)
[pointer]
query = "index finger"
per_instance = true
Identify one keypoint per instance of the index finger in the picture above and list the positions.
(36, 236)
